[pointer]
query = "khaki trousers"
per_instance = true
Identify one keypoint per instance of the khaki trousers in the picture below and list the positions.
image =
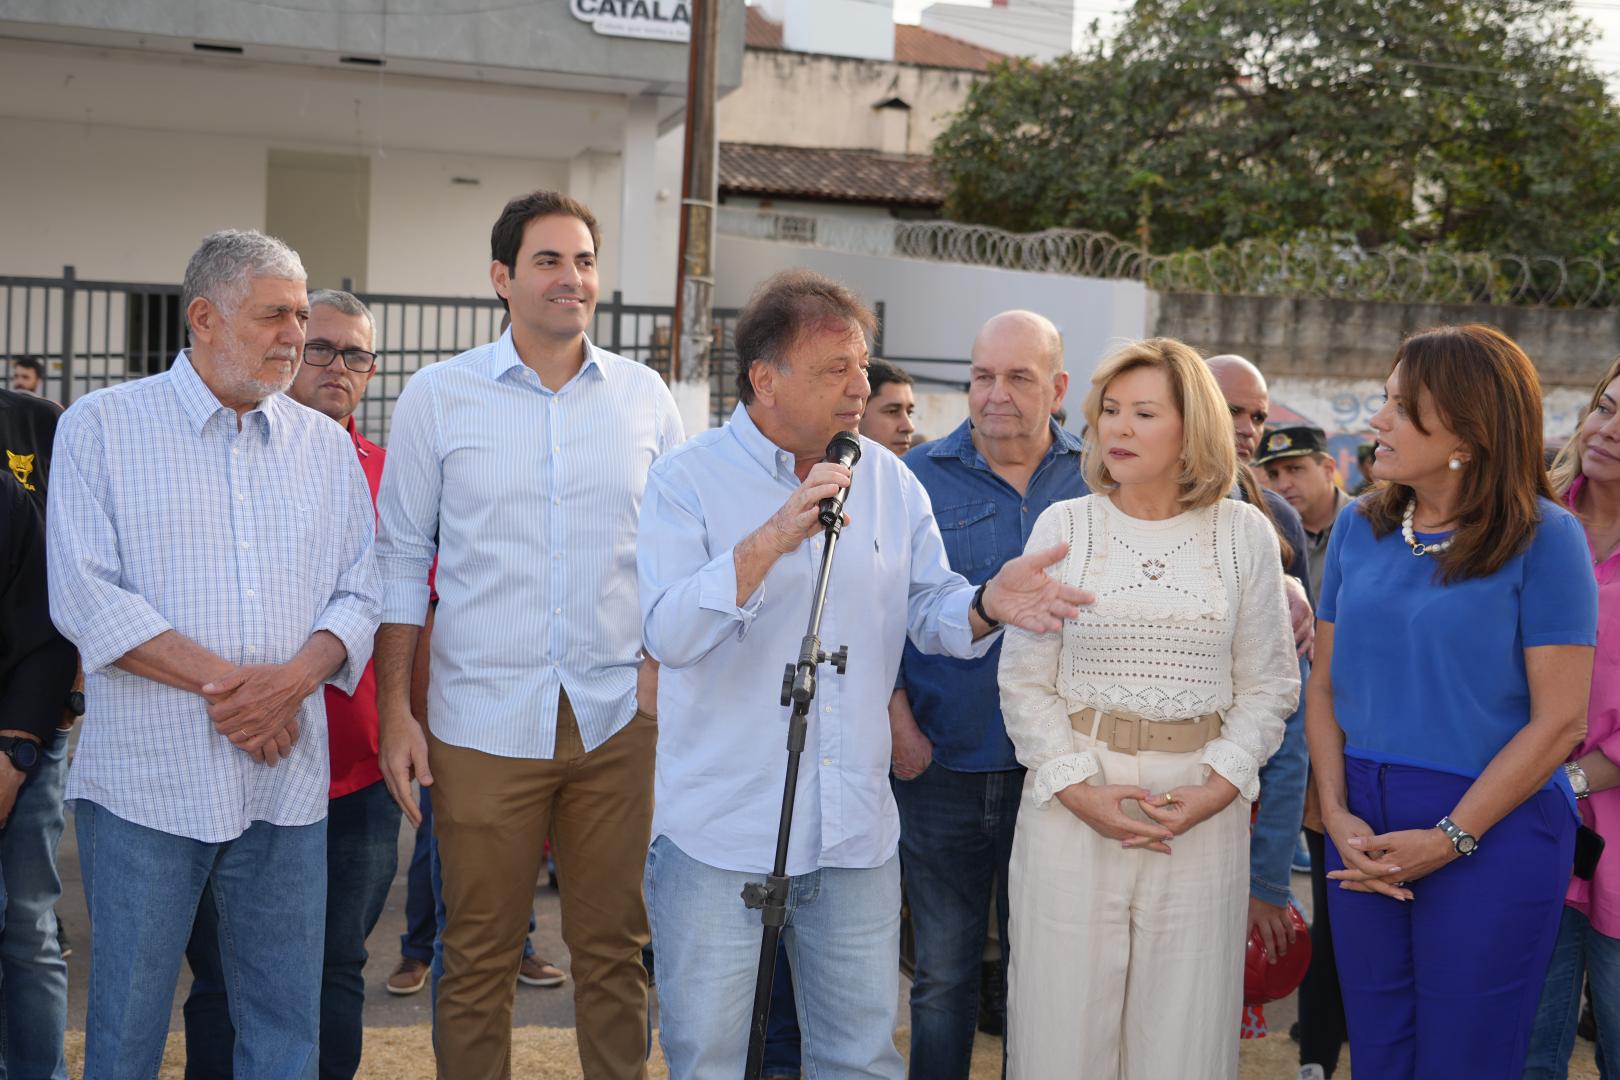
(1126, 965)
(491, 816)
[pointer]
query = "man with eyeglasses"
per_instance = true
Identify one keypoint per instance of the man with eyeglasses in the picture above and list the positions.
(362, 820)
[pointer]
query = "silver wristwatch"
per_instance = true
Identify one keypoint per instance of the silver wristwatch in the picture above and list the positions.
(1577, 779)
(1465, 842)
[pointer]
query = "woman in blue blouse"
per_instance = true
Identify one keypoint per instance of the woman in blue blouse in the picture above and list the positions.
(1453, 660)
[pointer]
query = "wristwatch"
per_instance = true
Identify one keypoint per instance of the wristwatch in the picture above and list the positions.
(1577, 779)
(24, 753)
(75, 702)
(1465, 842)
(978, 605)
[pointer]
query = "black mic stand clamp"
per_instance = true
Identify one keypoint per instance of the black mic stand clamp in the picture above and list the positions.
(770, 897)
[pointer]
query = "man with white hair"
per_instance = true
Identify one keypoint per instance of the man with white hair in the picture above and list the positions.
(210, 554)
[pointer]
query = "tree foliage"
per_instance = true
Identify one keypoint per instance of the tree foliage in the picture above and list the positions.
(1470, 123)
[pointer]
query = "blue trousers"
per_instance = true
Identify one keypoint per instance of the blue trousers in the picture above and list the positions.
(362, 838)
(33, 978)
(843, 944)
(421, 902)
(143, 887)
(956, 838)
(1582, 954)
(782, 1056)
(1448, 983)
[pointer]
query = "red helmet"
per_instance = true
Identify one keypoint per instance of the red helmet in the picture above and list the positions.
(1263, 981)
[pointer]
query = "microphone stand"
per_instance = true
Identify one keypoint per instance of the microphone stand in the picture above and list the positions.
(770, 897)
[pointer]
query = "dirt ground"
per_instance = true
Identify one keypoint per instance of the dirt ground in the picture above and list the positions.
(404, 1053)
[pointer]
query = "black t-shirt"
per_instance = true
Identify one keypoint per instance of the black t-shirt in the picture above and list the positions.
(37, 663)
(1292, 530)
(27, 428)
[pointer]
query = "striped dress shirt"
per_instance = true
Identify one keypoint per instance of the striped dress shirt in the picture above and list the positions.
(165, 516)
(530, 498)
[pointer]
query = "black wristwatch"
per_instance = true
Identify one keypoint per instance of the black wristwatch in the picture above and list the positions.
(75, 702)
(978, 605)
(24, 753)
(1465, 842)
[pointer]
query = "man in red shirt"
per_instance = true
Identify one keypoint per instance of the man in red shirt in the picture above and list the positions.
(362, 824)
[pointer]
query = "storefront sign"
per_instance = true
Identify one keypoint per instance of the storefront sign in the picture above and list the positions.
(655, 20)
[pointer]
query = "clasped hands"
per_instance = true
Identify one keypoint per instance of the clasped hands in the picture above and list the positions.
(256, 706)
(1385, 863)
(1102, 806)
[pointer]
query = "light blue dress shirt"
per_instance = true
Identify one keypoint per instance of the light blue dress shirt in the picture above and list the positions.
(722, 732)
(164, 516)
(530, 499)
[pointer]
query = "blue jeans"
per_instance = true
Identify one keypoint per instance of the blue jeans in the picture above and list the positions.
(843, 942)
(362, 853)
(421, 899)
(782, 1056)
(1581, 953)
(362, 838)
(143, 886)
(33, 977)
(1275, 836)
(956, 836)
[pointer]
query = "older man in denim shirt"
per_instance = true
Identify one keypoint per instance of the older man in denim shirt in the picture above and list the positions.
(957, 781)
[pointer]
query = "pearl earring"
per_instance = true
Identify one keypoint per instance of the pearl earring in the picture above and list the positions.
(1456, 464)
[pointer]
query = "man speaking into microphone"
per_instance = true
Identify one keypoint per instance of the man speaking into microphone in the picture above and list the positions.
(730, 543)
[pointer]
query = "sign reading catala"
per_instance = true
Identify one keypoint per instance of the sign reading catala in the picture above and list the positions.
(658, 20)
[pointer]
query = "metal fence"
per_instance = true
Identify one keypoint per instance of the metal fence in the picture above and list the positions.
(92, 334)
(1319, 266)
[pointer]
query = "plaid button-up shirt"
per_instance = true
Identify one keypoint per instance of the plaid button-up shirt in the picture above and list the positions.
(165, 516)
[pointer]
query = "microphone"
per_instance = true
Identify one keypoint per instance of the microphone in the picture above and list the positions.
(845, 449)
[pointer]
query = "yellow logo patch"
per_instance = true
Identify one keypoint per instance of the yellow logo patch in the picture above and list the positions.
(22, 467)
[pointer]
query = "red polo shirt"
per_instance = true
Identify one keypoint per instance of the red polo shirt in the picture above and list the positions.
(351, 722)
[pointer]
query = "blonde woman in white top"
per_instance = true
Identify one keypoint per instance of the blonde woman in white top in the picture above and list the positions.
(1144, 726)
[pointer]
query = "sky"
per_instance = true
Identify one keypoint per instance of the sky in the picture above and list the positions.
(1603, 14)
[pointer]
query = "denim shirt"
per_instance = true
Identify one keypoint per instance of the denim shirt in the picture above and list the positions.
(984, 522)
(1283, 779)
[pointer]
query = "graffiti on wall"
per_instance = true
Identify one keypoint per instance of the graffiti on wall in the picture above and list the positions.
(1342, 407)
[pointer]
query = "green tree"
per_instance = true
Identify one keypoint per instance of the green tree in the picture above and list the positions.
(1474, 123)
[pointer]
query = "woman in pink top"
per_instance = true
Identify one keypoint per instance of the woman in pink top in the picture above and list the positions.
(1587, 475)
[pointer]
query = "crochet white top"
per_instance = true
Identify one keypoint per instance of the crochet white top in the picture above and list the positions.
(1190, 619)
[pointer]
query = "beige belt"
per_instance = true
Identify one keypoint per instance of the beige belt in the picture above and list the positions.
(1127, 734)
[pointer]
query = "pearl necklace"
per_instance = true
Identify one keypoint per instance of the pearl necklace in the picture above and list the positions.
(1412, 541)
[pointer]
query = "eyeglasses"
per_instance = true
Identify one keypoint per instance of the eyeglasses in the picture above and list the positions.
(321, 355)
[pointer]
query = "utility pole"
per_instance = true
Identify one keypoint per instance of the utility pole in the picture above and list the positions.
(694, 275)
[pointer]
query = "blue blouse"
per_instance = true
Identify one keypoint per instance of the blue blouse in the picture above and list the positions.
(1433, 675)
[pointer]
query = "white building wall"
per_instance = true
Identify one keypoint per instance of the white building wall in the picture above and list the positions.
(1040, 29)
(430, 235)
(791, 99)
(934, 310)
(862, 28)
(118, 161)
(119, 203)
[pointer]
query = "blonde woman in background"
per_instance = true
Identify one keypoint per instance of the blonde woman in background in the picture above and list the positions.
(1144, 726)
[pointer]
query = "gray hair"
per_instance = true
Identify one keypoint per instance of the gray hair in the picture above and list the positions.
(345, 302)
(219, 268)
